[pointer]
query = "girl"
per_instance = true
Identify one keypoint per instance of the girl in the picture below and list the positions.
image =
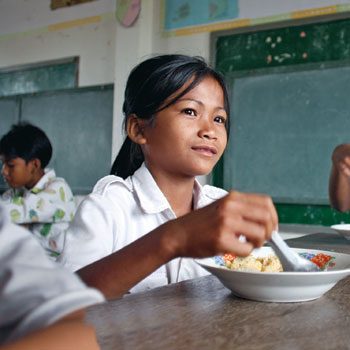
(154, 211)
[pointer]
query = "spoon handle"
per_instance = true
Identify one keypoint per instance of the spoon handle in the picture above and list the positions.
(286, 255)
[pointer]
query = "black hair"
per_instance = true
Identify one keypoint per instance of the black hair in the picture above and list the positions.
(149, 85)
(28, 142)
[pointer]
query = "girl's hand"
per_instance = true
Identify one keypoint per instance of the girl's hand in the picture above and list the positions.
(216, 228)
(341, 159)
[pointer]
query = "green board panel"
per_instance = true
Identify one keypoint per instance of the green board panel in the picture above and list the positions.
(311, 43)
(290, 108)
(284, 129)
(35, 79)
(79, 125)
(9, 114)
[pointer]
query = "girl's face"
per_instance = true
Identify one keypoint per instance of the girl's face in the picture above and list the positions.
(189, 137)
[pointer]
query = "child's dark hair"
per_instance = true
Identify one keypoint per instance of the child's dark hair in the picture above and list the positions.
(28, 142)
(149, 85)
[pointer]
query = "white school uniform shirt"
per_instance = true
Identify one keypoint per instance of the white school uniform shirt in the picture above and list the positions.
(35, 292)
(46, 210)
(119, 212)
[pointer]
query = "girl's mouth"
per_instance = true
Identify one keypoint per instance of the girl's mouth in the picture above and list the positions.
(210, 151)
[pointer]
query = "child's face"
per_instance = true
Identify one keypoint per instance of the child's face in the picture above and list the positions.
(188, 137)
(17, 173)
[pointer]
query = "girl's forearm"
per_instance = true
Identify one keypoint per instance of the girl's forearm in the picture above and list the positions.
(117, 273)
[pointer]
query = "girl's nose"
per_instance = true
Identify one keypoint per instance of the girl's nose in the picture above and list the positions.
(206, 130)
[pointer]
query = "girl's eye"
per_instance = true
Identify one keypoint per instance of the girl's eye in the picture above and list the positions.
(220, 120)
(190, 111)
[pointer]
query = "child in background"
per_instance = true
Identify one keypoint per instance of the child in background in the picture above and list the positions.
(37, 198)
(154, 212)
(41, 304)
(339, 181)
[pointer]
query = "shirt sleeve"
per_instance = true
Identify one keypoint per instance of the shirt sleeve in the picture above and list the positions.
(91, 235)
(34, 291)
(55, 203)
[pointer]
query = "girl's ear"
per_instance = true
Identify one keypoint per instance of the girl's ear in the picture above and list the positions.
(134, 129)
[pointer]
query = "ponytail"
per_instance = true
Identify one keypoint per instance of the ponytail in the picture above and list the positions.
(128, 160)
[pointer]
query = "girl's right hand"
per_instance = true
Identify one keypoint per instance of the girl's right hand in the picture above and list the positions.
(216, 228)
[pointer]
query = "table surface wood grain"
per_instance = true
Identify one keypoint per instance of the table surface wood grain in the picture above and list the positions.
(202, 314)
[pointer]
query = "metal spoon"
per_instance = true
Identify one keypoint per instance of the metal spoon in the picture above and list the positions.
(290, 260)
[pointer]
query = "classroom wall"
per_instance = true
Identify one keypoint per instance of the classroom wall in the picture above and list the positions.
(30, 32)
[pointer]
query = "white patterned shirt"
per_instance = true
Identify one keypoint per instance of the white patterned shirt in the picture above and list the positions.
(46, 210)
(119, 212)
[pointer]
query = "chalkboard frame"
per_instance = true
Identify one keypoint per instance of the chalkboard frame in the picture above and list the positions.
(39, 77)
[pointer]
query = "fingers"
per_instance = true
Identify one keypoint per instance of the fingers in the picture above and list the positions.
(341, 159)
(236, 246)
(257, 211)
(254, 233)
(216, 228)
(344, 166)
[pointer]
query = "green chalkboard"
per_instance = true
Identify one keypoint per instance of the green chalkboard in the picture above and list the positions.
(290, 108)
(9, 114)
(44, 77)
(79, 124)
(293, 45)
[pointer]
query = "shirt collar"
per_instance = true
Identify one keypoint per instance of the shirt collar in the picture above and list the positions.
(152, 199)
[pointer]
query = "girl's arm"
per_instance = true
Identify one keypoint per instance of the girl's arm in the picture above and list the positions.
(339, 182)
(208, 231)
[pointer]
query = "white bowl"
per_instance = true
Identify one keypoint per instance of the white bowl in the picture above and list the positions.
(343, 229)
(280, 286)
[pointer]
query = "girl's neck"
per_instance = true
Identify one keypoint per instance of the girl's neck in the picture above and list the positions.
(178, 192)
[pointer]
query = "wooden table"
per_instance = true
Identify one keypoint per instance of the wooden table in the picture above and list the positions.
(203, 314)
